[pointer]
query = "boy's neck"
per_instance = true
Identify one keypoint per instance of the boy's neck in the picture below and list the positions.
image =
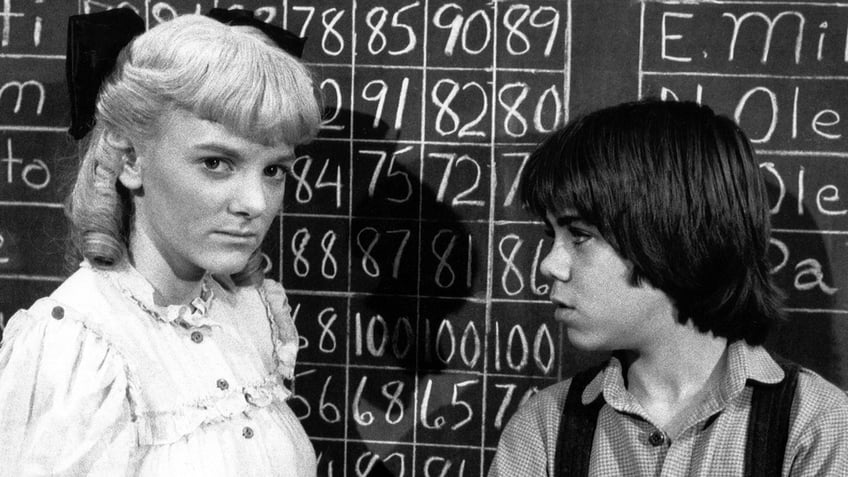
(676, 375)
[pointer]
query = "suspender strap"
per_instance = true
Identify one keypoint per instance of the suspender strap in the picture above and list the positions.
(577, 427)
(768, 424)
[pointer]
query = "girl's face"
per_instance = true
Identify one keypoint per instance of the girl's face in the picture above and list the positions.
(204, 197)
(590, 285)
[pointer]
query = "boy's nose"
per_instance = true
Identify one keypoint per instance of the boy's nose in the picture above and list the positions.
(557, 264)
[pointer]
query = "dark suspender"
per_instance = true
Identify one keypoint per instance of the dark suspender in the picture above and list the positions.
(768, 425)
(577, 426)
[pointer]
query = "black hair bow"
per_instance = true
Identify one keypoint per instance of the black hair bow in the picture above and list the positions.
(96, 39)
(285, 39)
(94, 42)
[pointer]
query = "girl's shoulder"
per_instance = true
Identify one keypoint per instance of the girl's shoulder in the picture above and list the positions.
(279, 313)
(53, 348)
(72, 305)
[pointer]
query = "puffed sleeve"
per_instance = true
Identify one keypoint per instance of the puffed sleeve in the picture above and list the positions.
(64, 407)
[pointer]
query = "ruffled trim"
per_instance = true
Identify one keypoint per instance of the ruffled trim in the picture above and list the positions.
(159, 428)
(284, 333)
(162, 428)
(140, 291)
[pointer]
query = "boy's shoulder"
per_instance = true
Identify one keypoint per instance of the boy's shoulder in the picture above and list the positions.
(817, 397)
(547, 405)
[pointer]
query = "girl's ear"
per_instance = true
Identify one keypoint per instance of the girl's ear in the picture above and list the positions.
(130, 175)
(129, 172)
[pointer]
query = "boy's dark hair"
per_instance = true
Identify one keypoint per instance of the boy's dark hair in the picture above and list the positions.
(675, 189)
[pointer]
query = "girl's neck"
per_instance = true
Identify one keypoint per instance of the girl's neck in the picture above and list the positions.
(169, 289)
(171, 285)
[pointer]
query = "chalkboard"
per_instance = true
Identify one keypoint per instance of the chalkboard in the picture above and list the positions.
(412, 270)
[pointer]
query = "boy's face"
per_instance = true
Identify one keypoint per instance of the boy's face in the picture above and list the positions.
(590, 285)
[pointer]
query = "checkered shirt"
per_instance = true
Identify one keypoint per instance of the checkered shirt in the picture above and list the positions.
(711, 440)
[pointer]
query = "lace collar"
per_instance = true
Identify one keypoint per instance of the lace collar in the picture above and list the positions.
(140, 291)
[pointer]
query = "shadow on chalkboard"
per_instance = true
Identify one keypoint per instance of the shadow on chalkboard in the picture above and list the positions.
(806, 337)
(391, 202)
(397, 181)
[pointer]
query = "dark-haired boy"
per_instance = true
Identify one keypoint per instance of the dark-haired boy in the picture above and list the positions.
(660, 235)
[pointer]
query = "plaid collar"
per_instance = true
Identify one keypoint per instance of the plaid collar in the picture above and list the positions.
(744, 362)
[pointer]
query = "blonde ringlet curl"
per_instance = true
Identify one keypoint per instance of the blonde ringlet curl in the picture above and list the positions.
(232, 75)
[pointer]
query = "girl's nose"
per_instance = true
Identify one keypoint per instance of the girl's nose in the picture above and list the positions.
(249, 199)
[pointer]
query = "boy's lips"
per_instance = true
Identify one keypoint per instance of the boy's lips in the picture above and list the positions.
(563, 313)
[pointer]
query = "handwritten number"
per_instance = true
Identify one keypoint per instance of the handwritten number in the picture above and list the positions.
(499, 416)
(330, 32)
(515, 34)
(410, 45)
(511, 96)
(337, 184)
(377, 39)
(459, 27)
(299, 398)
(326, 409)
(329, 267)
(543, 349)
(302, 340)
(332, 42)
(304, 190)
(451, 161)
(300, 240)
(455, 401)
(327, 334)
(336, 91)
(444, 268)
(510, 269)
(376, 19)
(513, 188)
(310, 12)
(394, 401)
(369, 263)
(446, 113)
(361, 418)
(298, 245)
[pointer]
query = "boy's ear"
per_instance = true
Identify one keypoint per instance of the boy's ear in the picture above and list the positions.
(130, 172)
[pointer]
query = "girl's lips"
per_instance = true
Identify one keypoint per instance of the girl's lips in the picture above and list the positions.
(238, 233)
(246, 238)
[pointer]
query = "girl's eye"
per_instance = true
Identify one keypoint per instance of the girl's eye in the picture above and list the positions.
(212, 163)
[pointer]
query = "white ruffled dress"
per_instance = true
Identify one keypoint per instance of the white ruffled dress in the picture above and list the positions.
(96, 379)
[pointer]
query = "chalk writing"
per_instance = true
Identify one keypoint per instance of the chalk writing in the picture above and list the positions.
(411, 267)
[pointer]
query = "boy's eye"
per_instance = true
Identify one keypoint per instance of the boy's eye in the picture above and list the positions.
(579, 236)
(276, 171)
